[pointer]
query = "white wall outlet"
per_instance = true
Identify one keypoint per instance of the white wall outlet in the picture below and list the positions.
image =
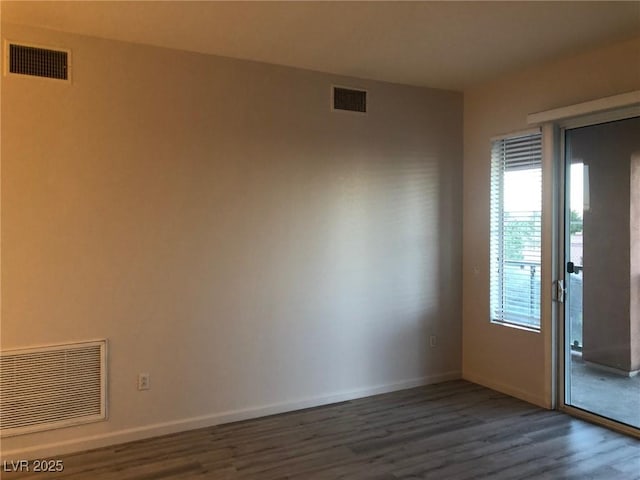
(433, 340)
(143, 381)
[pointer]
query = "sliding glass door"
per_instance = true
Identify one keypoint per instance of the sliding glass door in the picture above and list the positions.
(602, 270)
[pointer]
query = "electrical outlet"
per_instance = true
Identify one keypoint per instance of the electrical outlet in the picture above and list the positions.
(433, 340)
(143, 381)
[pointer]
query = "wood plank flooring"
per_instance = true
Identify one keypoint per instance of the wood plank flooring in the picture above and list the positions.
(453, 430)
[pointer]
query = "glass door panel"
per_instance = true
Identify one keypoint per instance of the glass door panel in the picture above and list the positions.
(602, 270)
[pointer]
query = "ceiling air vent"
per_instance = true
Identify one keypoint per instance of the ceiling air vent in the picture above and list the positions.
(37, 61)
(349, 99)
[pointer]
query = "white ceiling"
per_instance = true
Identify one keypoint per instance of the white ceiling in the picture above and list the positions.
(438, 44)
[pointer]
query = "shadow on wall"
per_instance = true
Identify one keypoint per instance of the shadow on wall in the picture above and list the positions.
(380, 271)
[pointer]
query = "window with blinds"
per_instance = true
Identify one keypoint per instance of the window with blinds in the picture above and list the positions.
(516, 230)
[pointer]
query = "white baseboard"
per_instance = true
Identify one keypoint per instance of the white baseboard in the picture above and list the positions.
(165, 428)
(510, 390)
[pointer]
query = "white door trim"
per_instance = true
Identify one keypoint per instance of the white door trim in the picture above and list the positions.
(608, 106)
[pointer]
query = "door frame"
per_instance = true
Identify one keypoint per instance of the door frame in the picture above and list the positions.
(559, 130)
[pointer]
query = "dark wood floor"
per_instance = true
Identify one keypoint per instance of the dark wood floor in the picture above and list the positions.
(454, 430)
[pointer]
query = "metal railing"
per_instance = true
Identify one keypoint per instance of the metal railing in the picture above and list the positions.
(522, 282)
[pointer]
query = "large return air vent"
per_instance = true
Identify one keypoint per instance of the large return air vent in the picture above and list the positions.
(52, 387)
(37, 61)
(349, 99)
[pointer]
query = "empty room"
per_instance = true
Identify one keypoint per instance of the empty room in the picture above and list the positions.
(320, 240)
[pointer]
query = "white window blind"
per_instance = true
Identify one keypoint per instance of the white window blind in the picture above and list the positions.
(516, 230)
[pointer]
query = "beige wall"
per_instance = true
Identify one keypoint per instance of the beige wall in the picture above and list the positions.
(634, 274)
(227, 233)
(516, 361)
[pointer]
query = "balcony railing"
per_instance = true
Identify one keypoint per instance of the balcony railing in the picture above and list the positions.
(522, 291)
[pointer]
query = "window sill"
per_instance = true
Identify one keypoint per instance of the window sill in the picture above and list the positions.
(516, 326)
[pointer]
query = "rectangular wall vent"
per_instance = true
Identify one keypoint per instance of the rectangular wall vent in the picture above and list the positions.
(349, 99)
(52, 387)
(37, 61)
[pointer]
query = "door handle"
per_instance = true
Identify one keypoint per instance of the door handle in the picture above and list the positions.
(560, 292)
(573, 268)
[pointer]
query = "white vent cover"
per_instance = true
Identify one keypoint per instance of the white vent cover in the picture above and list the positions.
(52, 387)
(37, 61)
